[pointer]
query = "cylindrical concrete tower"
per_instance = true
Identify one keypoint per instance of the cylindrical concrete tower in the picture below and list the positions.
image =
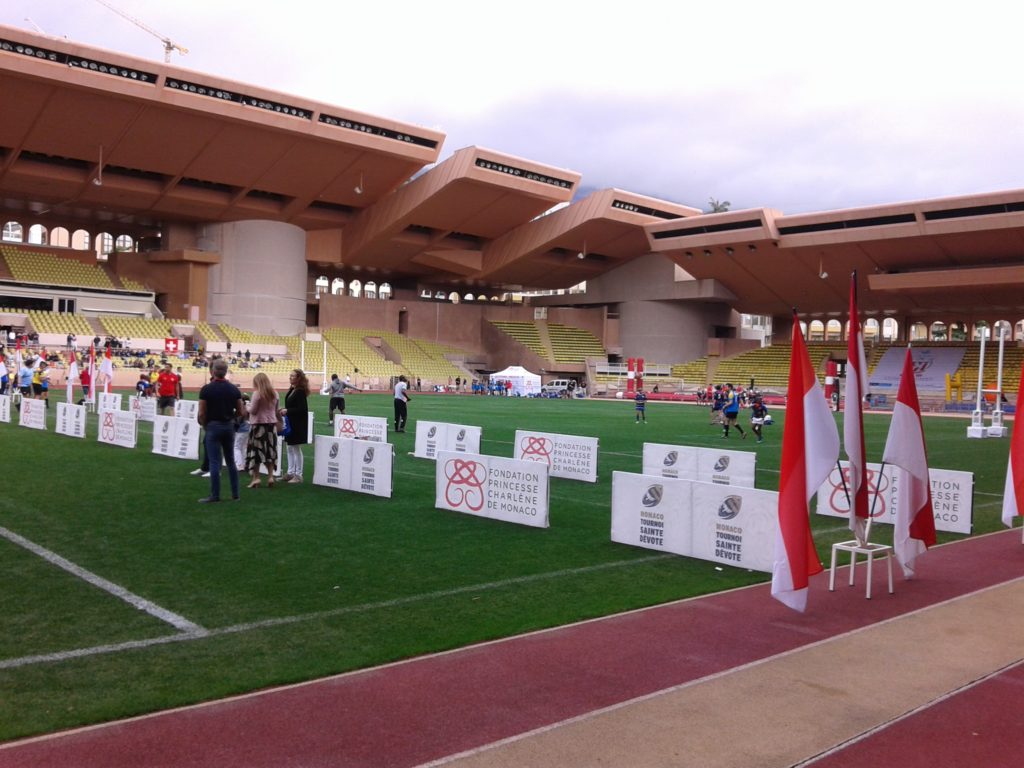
(260, 283)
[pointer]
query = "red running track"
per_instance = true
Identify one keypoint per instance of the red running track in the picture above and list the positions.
(424, 709)
(980, 726)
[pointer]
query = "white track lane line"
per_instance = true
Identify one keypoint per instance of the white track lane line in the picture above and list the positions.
(178, 622)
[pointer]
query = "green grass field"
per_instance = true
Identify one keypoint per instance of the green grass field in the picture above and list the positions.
(303, 581)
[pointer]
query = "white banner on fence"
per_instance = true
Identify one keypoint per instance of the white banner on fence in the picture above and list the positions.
(568, 456)
(5, 409)
(33, 413)
(432, 437)
(708, 465)
(723, 524)
(176, 437)
(70, 420)
(186, 409)
(144, 408)
(117, 428)
(361, 427)
(931, 364)
(110, 401)
(952, 496)
(350, 465)
(489, 486)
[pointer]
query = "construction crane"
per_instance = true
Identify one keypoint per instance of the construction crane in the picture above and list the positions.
(169, 45)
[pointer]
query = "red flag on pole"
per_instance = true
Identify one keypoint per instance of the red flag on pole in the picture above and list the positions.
(853, 420)
(1013, 492)
(107, 369)
(914, 529)
(72, 376)
(810, 449)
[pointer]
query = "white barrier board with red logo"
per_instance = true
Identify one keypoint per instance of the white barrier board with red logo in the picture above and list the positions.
(491, 486)
(568, 456)
(709, 465)
(432, 437)
(117, 428)
(70, 420)
(361, 427)
(723, 524)
(952, 496)
(33, 413)
(351, 465)
(176, 437)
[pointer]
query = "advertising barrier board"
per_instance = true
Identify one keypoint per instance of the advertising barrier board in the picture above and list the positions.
(70, 420)
(568, 456)
(708, 465)
(490, 486)
(952, 496)
(432, 437)
(353, 465)
(724, 524)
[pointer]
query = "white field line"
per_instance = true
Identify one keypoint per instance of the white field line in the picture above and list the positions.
(178, 622)
(908, 714)
(199, 632)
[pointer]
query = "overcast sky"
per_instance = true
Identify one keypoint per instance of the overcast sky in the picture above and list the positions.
(800, 106)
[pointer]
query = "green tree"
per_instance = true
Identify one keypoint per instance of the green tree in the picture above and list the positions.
(718, 206)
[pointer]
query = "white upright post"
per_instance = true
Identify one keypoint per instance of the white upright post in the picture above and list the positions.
(977, 428)
(996, 428)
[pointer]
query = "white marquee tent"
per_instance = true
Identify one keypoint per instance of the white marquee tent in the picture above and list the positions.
(523, 382)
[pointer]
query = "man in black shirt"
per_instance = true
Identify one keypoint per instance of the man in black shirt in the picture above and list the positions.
(220, 402)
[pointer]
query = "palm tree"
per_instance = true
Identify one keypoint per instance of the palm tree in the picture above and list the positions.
(718, 206)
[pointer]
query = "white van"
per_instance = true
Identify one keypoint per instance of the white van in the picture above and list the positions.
(558, 386)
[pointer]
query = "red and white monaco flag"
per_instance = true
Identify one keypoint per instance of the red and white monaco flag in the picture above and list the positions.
(853, 420)
(1013, 492)
(72, 376)
(107, 369)
(914, 528)
(92, 374)
(810, 448)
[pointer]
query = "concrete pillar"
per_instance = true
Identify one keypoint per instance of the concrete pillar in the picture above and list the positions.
(260, 283)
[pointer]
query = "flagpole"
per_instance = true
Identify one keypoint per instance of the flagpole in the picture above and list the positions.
(846, 490)
(878, 488)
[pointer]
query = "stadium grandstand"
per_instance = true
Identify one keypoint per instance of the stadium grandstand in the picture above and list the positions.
(241, 220)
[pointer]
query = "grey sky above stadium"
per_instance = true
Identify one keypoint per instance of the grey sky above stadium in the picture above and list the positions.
(800, 106)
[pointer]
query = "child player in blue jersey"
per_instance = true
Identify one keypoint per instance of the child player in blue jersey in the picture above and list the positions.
(641, 405)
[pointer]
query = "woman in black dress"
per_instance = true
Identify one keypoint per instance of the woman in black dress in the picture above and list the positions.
(296, 408)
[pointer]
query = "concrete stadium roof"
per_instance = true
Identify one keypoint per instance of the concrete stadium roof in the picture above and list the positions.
(99, 138)
(960, 254)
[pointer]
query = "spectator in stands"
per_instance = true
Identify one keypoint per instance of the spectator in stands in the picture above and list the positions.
(264, 419)
(220, 403)
(167, 386)
(72, 342)
(401, 400)
(296, 408)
